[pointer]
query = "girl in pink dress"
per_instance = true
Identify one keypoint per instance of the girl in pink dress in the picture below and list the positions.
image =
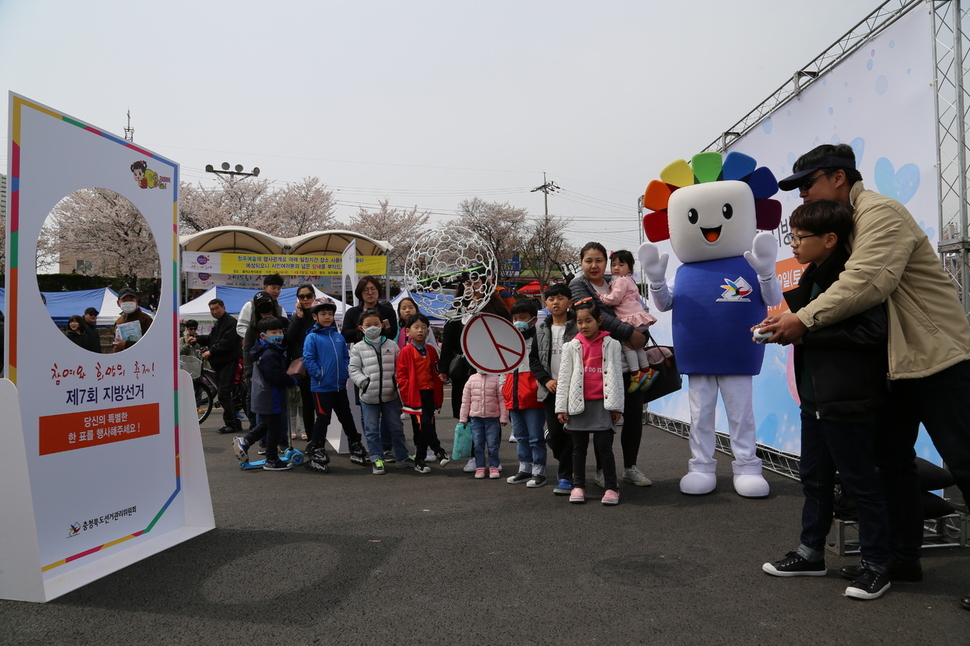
(624, 298)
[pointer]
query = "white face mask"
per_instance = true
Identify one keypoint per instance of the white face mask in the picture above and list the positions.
(373, 333)
(129, 306)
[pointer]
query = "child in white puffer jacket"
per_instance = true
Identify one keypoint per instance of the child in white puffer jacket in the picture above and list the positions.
(373, 362)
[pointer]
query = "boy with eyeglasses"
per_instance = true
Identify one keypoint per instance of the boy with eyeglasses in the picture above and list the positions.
(840, 371)
(893, 260)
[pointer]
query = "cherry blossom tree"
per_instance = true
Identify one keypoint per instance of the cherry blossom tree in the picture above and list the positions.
(501, 227)
(103, 226)
(299, 208)
(545, 247)
(400, 227)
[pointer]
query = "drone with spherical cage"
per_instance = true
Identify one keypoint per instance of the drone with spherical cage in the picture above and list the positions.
(441, 261)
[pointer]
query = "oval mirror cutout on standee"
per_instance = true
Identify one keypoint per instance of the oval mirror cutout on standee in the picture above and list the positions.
(98, 232)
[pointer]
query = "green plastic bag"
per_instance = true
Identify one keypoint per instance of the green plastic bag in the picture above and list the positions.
(461, 448)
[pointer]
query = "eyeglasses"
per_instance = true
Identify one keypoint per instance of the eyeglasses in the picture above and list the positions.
(304, 297)
(808, 183)
(796, 241)
(367, 290)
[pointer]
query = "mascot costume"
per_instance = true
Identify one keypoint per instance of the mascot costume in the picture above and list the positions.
(710, 210)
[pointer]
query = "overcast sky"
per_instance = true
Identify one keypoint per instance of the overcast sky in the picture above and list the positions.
(423, 103)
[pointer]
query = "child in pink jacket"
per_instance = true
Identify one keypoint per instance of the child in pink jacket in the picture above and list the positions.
(624, 298)
(483, 405)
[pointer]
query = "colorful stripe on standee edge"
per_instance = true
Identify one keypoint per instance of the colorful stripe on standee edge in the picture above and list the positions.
(13, 292)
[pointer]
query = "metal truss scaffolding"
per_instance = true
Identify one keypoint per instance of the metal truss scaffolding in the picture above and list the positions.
(872, 25)
(951, 46)
(950, 50)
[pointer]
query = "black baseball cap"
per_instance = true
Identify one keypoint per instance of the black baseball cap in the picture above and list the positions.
(127, 291)
(91, 311)
(792, 182)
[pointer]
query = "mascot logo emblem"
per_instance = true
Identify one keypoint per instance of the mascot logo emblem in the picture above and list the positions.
(735, 291)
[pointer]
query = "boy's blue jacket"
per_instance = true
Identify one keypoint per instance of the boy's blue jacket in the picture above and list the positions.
(326, 359)
(270, 380)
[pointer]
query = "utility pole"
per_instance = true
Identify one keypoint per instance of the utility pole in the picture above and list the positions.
(546, 188)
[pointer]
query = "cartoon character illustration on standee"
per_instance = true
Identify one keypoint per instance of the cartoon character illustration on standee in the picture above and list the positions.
(145, 177)
(710, 210)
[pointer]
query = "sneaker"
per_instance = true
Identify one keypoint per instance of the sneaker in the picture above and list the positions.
(303, 436)
(611, 497)
(899, 571)
(241, 448)
(536, 481)
(225, 430)
(404, 464)
(518, 478)
(633, 476)
(378, 467)
(262, 448)
(512, 439)
(389, 457)
(869, 585)
(600, 480)
(442, 458)
(421, 467)
(564, 488)
(649, 376)
(480, 473)
(577, 496)
(794, 565)
(430, 457)
(470, 466)
(634, 381)
(276, 465)
(493, 473)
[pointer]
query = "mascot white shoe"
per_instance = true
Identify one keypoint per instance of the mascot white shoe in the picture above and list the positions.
(710, 210)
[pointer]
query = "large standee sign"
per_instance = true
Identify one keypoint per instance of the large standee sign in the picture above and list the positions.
(104, 470)
(880, 100)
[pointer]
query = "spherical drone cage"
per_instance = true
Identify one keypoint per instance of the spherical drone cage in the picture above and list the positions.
(443, 259)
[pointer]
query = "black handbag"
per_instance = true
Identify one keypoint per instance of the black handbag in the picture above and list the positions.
(459, 369)
(662, 359)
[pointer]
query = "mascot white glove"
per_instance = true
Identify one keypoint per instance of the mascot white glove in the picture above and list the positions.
(653, 263)
(764, 252)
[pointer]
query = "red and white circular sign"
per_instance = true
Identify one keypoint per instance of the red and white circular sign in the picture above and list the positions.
(492, 344)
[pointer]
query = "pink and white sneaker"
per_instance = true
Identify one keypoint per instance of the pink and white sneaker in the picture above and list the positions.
(493, 473)
(611, 497)
(577, 496)
(480, 473)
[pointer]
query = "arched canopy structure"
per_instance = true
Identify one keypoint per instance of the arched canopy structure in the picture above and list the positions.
(335, 241)
(233, 239)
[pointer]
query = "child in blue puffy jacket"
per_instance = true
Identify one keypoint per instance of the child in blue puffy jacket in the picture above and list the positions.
(327, 361)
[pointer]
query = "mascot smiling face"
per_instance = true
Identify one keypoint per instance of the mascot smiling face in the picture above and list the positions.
(711, 221)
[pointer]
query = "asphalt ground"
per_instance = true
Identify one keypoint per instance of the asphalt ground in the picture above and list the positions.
(352, 558)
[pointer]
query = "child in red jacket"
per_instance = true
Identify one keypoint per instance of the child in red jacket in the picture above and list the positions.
(421, 390)
(525, 410)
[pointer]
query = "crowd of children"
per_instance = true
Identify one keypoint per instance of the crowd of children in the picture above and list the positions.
(570, 381)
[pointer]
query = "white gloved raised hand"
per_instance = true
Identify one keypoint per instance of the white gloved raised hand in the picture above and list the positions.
(653, 263)
(764, 252)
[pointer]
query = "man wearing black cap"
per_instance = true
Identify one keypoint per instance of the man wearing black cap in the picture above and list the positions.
(130, 313)
(892, 260)
(91, 319)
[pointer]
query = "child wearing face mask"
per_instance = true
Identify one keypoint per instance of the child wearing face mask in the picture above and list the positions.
(527, 413)
(373, 363)
(270, 383)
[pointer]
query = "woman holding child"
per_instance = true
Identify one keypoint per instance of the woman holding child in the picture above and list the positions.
(593, 284)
